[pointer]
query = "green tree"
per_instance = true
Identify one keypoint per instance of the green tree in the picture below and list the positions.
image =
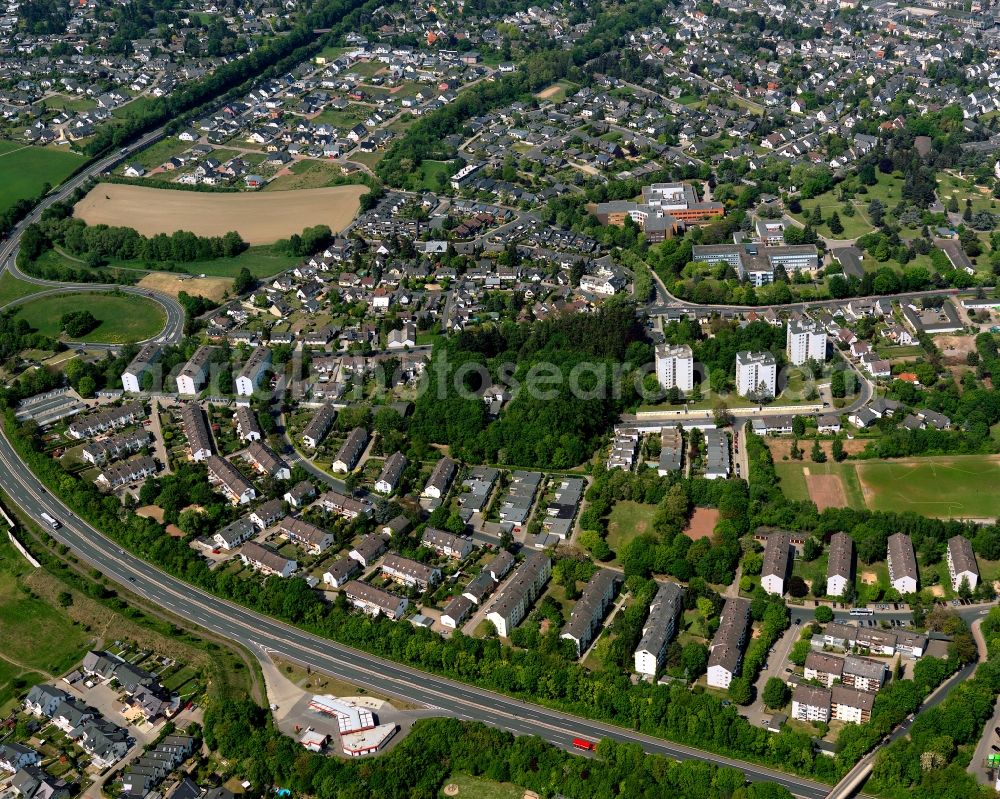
(824, 614)
(775, 694)
(694, 659)
(835, 225)
(740, 691)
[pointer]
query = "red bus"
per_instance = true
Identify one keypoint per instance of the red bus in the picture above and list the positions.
(587, 746)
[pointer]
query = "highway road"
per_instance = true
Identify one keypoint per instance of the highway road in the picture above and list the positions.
(260, 633)
(173, 330)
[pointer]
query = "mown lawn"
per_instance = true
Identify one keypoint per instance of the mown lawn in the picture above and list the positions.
(958, 486)
(13, 289)
(25, 169)
(123, 318)
(627, 520)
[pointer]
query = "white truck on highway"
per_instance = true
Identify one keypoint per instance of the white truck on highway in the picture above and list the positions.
(50, 521)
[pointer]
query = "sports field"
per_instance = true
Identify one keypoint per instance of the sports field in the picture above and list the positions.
(259, 217)
(124, 318)
(25, 169)
(954, 486)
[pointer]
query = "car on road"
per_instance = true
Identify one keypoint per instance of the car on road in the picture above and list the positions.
(131, 579)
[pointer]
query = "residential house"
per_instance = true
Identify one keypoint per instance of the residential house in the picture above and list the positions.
(447, 544)
(392, 472)
(777, 559)
(266, 560)
(410, 573)
(840, 565)
(962, 566)
(375, 601)
(350, 452)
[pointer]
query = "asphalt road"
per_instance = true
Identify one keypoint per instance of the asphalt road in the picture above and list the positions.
(260, 633)
(173, 329)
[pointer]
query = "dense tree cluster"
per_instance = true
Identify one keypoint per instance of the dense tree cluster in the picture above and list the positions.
(98, 244)
(77, 324)
(436, 748)
(561, 372)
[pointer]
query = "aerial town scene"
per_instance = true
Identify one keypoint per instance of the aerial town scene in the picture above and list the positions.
(495, 400)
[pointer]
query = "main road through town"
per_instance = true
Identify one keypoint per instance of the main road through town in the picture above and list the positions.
(262, 634)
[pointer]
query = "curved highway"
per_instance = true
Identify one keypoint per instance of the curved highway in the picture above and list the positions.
(261, 633)
(173, 330)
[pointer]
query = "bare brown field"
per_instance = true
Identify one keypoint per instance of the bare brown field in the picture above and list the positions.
(826, 491)
(551, 91)
(260, 218)
(781, 448)
(702, 523)
(211, 288)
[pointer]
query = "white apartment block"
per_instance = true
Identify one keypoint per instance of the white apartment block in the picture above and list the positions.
(756, 372)
(675, 367)
(806, 340)
(962, 563)
(810, 703)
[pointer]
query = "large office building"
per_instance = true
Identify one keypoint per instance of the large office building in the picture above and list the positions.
(806, 341)
(756, 263)
(757, 374)
(666, 209)
(675, 366)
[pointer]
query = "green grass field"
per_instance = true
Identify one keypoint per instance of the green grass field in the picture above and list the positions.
(262, 261)
(956, 486)
(13, 680)
(793, 478)
(628, 520)
(432, 173)
(33, 634)
(24, 170)
(13, 289)
(308, 174)
(888, 190)
(124, 318)
(959, 486)
(949, 186)
(478, 788)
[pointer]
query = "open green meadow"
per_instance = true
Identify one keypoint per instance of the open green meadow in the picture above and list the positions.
(13, 289)
(953, 486)
(479, 788)
(33, 634)
(627, 520)
(25, 169)
(124, 318)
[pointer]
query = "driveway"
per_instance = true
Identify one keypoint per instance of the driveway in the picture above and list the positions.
(777, 661)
